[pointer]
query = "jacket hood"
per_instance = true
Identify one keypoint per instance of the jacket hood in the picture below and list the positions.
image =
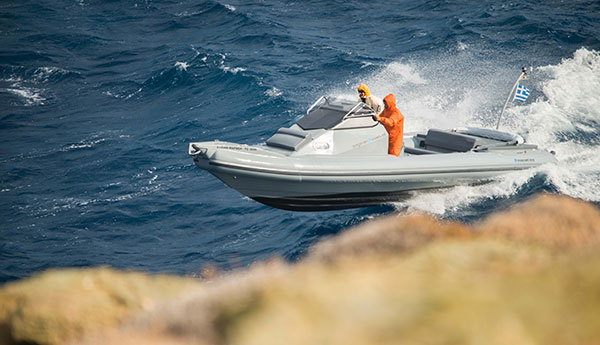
(390, 100)
(365, 89)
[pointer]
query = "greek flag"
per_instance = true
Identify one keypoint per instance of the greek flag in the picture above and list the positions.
(522, 93)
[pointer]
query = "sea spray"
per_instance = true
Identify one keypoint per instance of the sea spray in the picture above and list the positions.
(561, 119)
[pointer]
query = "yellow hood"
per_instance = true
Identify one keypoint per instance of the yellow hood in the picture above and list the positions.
(365, 89)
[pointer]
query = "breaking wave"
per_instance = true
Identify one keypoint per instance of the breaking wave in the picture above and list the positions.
(562, 116)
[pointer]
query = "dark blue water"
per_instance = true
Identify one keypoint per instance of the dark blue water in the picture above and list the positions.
(99, 99)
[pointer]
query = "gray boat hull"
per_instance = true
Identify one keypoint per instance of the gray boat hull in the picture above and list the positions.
(310, 183)
(336, 157)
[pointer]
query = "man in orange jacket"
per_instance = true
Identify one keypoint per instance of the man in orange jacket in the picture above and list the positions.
(393, 121)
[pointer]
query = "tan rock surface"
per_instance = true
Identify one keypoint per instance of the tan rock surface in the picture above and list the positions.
(528, 275)
(61, 305)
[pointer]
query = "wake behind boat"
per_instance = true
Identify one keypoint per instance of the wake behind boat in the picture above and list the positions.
(336, 157)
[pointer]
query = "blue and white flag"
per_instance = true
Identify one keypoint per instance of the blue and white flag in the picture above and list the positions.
(522, 93)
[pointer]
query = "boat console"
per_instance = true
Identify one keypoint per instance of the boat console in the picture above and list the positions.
(332, 126)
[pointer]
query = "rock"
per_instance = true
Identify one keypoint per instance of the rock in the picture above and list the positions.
(62, 305)
(557, 221)
(528, 275)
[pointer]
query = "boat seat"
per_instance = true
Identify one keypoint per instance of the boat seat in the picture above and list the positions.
(289, 138)
(444, 141)
(418, 151)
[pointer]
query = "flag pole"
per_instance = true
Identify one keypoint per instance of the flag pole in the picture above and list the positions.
(523, 74)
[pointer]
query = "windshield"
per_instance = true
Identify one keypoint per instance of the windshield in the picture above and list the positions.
(329, 113)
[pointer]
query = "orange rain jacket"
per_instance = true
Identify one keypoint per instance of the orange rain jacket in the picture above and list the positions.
(393, 121)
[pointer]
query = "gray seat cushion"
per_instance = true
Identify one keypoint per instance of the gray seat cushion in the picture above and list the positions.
(443, 141)
(289, 138)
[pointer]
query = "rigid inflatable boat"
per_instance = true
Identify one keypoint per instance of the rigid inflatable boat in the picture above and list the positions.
(336, 157)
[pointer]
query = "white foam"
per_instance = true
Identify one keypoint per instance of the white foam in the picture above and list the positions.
(122, 96)
(31, 96)
(366, 64)
(563, 115)
(394, 76)
(438, 92)
(575, 85)
(273, 92)
(84, 144)
(43, 74)
(234, 70)
(452, 200)
(223, 67)
(14, 79)
(182, 66)
(187, 14)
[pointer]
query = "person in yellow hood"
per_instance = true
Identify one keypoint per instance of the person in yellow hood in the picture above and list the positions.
(393, 121)
(372, 101)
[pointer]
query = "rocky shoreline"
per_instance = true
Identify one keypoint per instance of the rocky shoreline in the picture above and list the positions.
(528, 275)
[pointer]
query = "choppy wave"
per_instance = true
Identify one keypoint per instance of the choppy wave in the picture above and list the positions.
(31, 86)
(563, 118)
(30, 96)
(95, 116)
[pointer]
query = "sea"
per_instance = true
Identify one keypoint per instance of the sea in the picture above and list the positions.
(100, 98)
